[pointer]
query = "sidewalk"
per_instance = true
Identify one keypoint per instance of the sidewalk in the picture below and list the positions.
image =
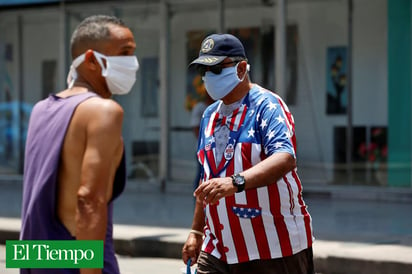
(369, 233)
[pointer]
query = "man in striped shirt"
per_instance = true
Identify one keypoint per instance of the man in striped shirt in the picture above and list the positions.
(250, 216)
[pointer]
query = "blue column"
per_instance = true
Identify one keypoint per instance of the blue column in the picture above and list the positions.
(399, 93)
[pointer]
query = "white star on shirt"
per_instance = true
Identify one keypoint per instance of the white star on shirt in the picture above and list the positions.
(263, 124)
(288, 134)
(270, 134)
(272, 106)
(280, 119)
(278, 144)
(251, 132)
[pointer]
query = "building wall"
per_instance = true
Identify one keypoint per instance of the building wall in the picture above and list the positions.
(320, 24)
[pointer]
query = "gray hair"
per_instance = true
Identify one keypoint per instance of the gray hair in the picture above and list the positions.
(91, 31)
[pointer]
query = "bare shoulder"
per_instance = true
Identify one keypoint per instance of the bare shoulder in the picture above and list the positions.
(102, 105)
(105, 112)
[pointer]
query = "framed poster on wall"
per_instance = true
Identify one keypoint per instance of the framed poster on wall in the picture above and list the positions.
(336, 71)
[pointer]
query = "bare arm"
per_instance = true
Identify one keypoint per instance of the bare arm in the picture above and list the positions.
(264, 173)
(100, 161)
(191, 248)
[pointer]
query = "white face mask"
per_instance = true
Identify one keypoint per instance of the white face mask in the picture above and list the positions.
(120, 71)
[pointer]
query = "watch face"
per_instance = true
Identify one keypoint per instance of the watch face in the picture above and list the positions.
(239, 180)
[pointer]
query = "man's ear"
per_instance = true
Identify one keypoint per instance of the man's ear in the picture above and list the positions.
(90, 60)
(242, 68)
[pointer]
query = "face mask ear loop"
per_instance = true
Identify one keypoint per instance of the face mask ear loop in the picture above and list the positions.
(72, 76)
(99, 57)
(244, 75)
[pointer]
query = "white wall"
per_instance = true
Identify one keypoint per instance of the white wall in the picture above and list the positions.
(40, 43)
(320, 24)
(370, 63)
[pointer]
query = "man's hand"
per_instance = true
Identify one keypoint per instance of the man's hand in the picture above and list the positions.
(191, 248)
(215, 189)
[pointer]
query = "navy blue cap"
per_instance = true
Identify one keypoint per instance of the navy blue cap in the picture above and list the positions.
(217, 47)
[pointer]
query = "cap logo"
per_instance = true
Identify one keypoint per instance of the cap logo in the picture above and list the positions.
(208, 45)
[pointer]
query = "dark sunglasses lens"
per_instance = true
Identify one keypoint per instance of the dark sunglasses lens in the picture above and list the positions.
(216, 69)
(201, 70)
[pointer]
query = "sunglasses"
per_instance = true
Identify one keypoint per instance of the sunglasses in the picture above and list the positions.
(216, 69)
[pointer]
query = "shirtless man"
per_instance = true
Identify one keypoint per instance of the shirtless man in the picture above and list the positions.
(74, 162)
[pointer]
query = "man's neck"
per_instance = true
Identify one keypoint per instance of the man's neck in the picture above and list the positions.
(83, 86)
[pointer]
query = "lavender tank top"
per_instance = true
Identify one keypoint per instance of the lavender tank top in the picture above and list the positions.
(48, 124)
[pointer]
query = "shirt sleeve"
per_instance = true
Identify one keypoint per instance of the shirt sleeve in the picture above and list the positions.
(275, 128)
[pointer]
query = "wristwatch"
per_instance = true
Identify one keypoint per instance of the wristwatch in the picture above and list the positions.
(239, 181)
